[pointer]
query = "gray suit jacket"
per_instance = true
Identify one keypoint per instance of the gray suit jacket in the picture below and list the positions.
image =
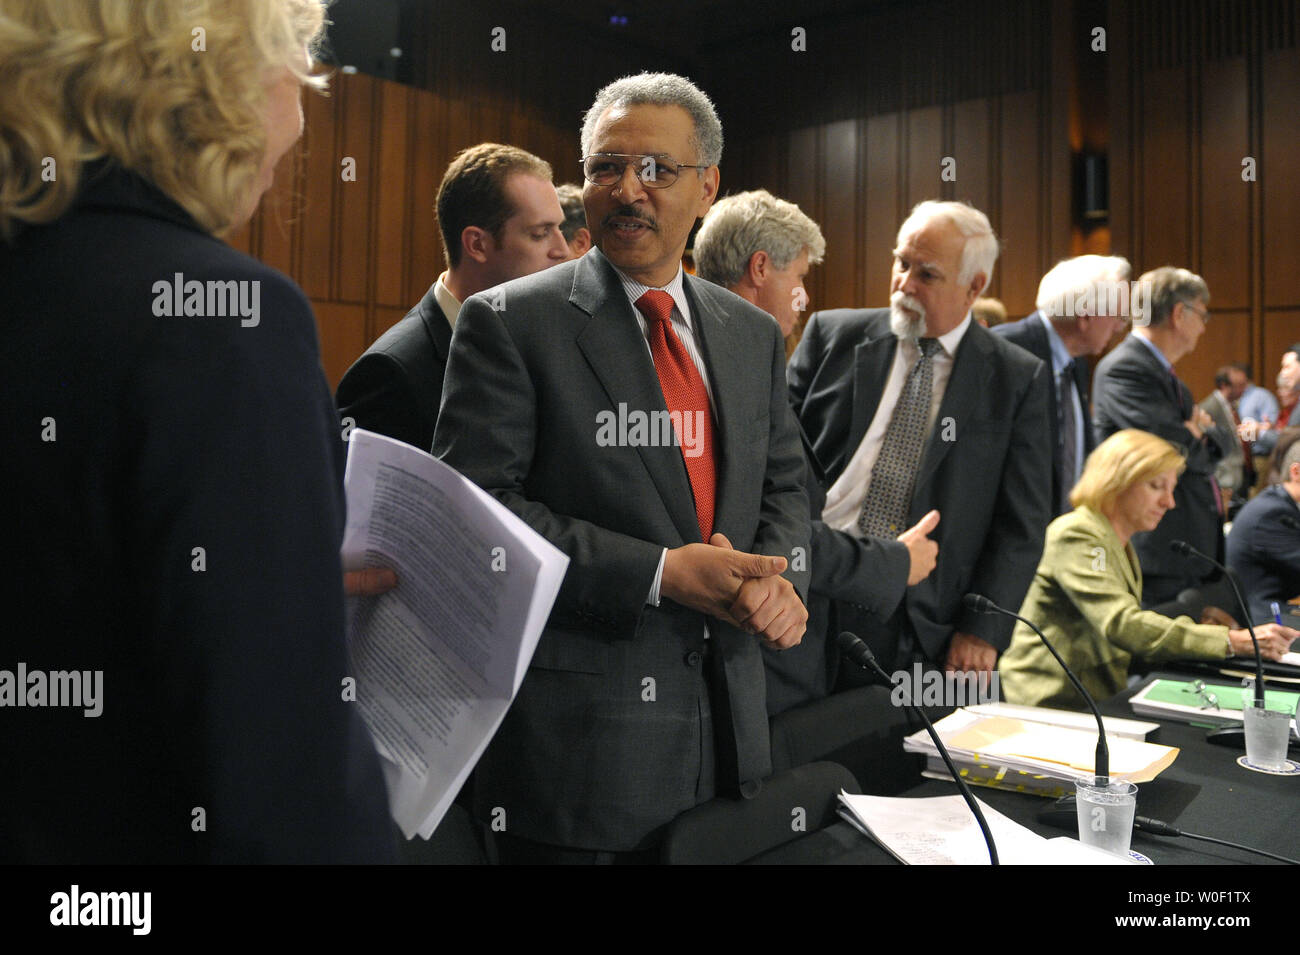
(990, 480)
(611, 734)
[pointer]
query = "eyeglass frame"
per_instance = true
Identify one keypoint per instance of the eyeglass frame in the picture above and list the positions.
(627, 161)
(1202, 313)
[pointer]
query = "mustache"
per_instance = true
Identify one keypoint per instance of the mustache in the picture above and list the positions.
(631, 212)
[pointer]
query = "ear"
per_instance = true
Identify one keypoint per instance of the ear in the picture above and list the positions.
(477, 243)
(758, 269)
(709, 181)
(977, 285)
(581, 241)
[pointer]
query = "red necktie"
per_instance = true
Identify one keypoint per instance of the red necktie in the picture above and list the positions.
(684, 392)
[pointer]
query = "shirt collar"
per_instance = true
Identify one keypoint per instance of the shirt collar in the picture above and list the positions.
(1060, 354)
(449, 304)
(1154, 350)
(676, 288)
(949, 342)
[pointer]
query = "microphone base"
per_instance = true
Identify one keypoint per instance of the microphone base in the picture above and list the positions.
(1061, 814)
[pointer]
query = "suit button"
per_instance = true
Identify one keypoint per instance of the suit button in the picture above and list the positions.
(693, 658)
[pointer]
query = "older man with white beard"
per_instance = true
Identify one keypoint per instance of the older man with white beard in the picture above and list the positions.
(917, 408)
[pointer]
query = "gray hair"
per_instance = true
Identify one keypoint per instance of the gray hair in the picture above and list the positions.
(980, 250)
(1165, 287)
(1084, 278)
(662, 89)
(748, 222)
(575, 214)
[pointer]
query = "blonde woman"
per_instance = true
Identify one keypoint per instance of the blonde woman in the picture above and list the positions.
(171, 451)
(1087, 593)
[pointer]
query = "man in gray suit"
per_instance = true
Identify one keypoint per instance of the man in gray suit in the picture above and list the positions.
(615, 404)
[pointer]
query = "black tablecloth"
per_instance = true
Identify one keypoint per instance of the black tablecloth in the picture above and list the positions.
(1204, 791)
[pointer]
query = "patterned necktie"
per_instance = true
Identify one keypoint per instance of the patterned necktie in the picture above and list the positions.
(1068, 424)
(684, 392)
(894, 474)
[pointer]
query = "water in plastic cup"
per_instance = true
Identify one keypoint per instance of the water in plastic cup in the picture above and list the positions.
(1105, 813)
(1267, 733)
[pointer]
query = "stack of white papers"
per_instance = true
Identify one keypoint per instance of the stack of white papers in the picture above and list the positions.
(940, 830)
(438, 660)
(1034, 757)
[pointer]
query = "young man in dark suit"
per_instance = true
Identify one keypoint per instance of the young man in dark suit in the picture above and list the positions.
(917, 408)
(500, 219)
(614, 403)
(1080, 307)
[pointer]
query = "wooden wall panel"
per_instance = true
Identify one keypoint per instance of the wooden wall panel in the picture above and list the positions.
(1279, 176)
(1226, 339)
(1224, 199)
(925, 152)
(392, 229)
(279, 216)
(804, 190)
(972, 139)
(841, 217)
(1018, 219)
(883, 206)
(424, 245)
(1165, 159)
(342, 336)
(357, 233)
(320, 173)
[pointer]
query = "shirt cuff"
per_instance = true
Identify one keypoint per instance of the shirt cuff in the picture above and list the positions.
(653, 597)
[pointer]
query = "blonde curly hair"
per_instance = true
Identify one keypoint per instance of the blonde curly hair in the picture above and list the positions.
(171, 89)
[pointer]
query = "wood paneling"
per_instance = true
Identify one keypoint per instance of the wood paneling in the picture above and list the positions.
(841, 217)
(1020, 215)
(884, 209)
(1166, 155)
(925, 152)
(1279, 176)
(342, 336)
(1224, 198)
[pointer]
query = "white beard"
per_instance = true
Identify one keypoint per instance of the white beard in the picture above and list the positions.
(901, 323)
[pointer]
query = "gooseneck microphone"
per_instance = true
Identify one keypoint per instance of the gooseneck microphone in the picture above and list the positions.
(851, 646)
(1187, 550)
(1101, 768)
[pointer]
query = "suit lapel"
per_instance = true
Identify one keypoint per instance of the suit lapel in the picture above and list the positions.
(731, 373)
(616, 351)
(871, 364)
(971, 372)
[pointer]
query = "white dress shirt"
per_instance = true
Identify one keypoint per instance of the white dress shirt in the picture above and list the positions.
(845, 498)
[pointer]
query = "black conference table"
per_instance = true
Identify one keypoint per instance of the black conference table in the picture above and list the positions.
(1204, 791)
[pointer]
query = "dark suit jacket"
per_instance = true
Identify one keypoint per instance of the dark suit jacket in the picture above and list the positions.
(222, 668)
(1131, 389)
(1264, 553)
(990, 483)
(868, 573)
(610, 734)
(1030, 335)
(395, 387)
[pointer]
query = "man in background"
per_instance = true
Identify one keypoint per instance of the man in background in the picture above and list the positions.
(917, 408)
(500, 219)
(576, 234)
(761, 247)
(1080, 306)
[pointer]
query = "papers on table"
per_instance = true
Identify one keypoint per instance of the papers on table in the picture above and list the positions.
(439, 659)
(1008, 753)
(1073, 719)
(940, 830)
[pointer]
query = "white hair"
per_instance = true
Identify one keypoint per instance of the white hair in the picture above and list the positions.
(980, 250)
(1078, 279)
(748, 222)
(662, 89)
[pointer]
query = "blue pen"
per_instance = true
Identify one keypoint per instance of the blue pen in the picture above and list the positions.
(1277, 613)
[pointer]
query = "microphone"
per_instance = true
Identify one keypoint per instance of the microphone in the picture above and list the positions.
(1187, 550)
(1101, 762)
(851, 646)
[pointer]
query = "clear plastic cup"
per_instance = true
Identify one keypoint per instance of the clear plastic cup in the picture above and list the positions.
(1267, 732)
(1105, 813)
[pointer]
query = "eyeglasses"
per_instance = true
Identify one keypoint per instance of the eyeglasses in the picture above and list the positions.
(1202, 313)
(655, 172)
